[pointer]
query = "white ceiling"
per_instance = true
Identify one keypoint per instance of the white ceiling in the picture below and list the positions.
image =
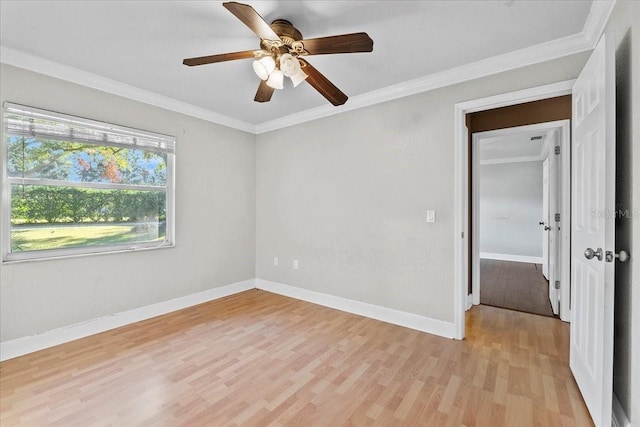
(513, 145)
(141, 44)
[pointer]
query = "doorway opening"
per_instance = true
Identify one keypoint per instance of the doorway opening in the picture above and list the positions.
(519, 244)
(464, 297)
(593, 257)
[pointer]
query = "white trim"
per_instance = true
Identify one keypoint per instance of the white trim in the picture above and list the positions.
(460, 223)
(30, 344)
(25, 345)
(84, 184)
(5, 199)
(50, 68)
(583, 41)
(389, 315)
(24, 120)
(460, 213)
(475, 219)
(597, 19)
(18, 118)
(562, 127)
(513, 258)
(564, 139)
(546, 143)
(618, 416)
(521, 159)
(518, 97)
(486, 67)
(470, 301)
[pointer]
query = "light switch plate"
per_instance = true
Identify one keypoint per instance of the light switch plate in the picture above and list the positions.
(431, 216)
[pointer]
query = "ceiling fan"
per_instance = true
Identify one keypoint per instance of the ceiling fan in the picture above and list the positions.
(280, 55)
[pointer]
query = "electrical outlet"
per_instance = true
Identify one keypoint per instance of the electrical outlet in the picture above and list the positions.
(295, 264)
(275, 261)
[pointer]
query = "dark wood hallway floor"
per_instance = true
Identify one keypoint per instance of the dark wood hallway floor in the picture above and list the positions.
(514, 285)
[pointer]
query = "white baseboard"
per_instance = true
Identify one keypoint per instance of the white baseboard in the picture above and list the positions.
(389, 315)
(29, 344)
(509, 257)
(618, 416)
(469, 301)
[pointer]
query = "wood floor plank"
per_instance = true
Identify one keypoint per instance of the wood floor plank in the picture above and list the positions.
(258, 359)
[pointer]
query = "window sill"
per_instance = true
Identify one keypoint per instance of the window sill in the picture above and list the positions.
(70, 253)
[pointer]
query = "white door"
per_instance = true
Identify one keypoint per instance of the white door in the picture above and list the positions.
(551, 229)
(545, 218)
(592, 231)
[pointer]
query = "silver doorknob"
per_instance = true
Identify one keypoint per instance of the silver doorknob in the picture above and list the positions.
(590, 254)
(622, 256)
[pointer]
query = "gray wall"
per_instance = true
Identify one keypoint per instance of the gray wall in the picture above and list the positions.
(347, 196)
(215, 219)
(511, 208)
(624, 26)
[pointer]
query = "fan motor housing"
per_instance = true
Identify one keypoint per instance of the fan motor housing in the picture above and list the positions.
(287, 32)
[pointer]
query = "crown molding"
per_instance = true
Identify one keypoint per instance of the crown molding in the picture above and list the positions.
(597, 20)
(584, 41)
(50, 68)
(494, 65)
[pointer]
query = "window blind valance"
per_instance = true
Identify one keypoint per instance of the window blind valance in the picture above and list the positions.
(28, 121)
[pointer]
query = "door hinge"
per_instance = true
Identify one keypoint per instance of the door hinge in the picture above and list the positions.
(557, 217)
(557, 149)
(557, 284)
(463, 234)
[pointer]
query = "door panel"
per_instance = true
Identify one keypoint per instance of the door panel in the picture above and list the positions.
(553, 193)
(592, 232)
(545, 218)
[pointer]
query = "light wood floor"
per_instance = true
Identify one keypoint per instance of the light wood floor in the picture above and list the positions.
(514, 285)
(258, 359)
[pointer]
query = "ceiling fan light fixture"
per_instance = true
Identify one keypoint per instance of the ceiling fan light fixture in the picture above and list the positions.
(298, 77)
(264, 66)
(276, 79)
(281, 49)
(289, 65)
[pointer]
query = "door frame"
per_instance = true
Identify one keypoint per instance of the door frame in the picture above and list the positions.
(563, 129)
(461, 188)
(546, 215)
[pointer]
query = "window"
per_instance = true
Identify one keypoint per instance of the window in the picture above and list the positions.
(76, 186)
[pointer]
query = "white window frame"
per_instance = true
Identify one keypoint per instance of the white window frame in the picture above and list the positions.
(134, 138)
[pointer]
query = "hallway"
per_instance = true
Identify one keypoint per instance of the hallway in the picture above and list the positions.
(514, 285)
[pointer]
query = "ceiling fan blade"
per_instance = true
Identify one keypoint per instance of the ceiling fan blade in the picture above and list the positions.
(323, 85)
(201, 60)
(345, 43)
(264, 92)
(251, 19)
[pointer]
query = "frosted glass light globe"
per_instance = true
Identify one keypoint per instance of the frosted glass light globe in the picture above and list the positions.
(289, 65)
(264, 67)
(276, 79)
